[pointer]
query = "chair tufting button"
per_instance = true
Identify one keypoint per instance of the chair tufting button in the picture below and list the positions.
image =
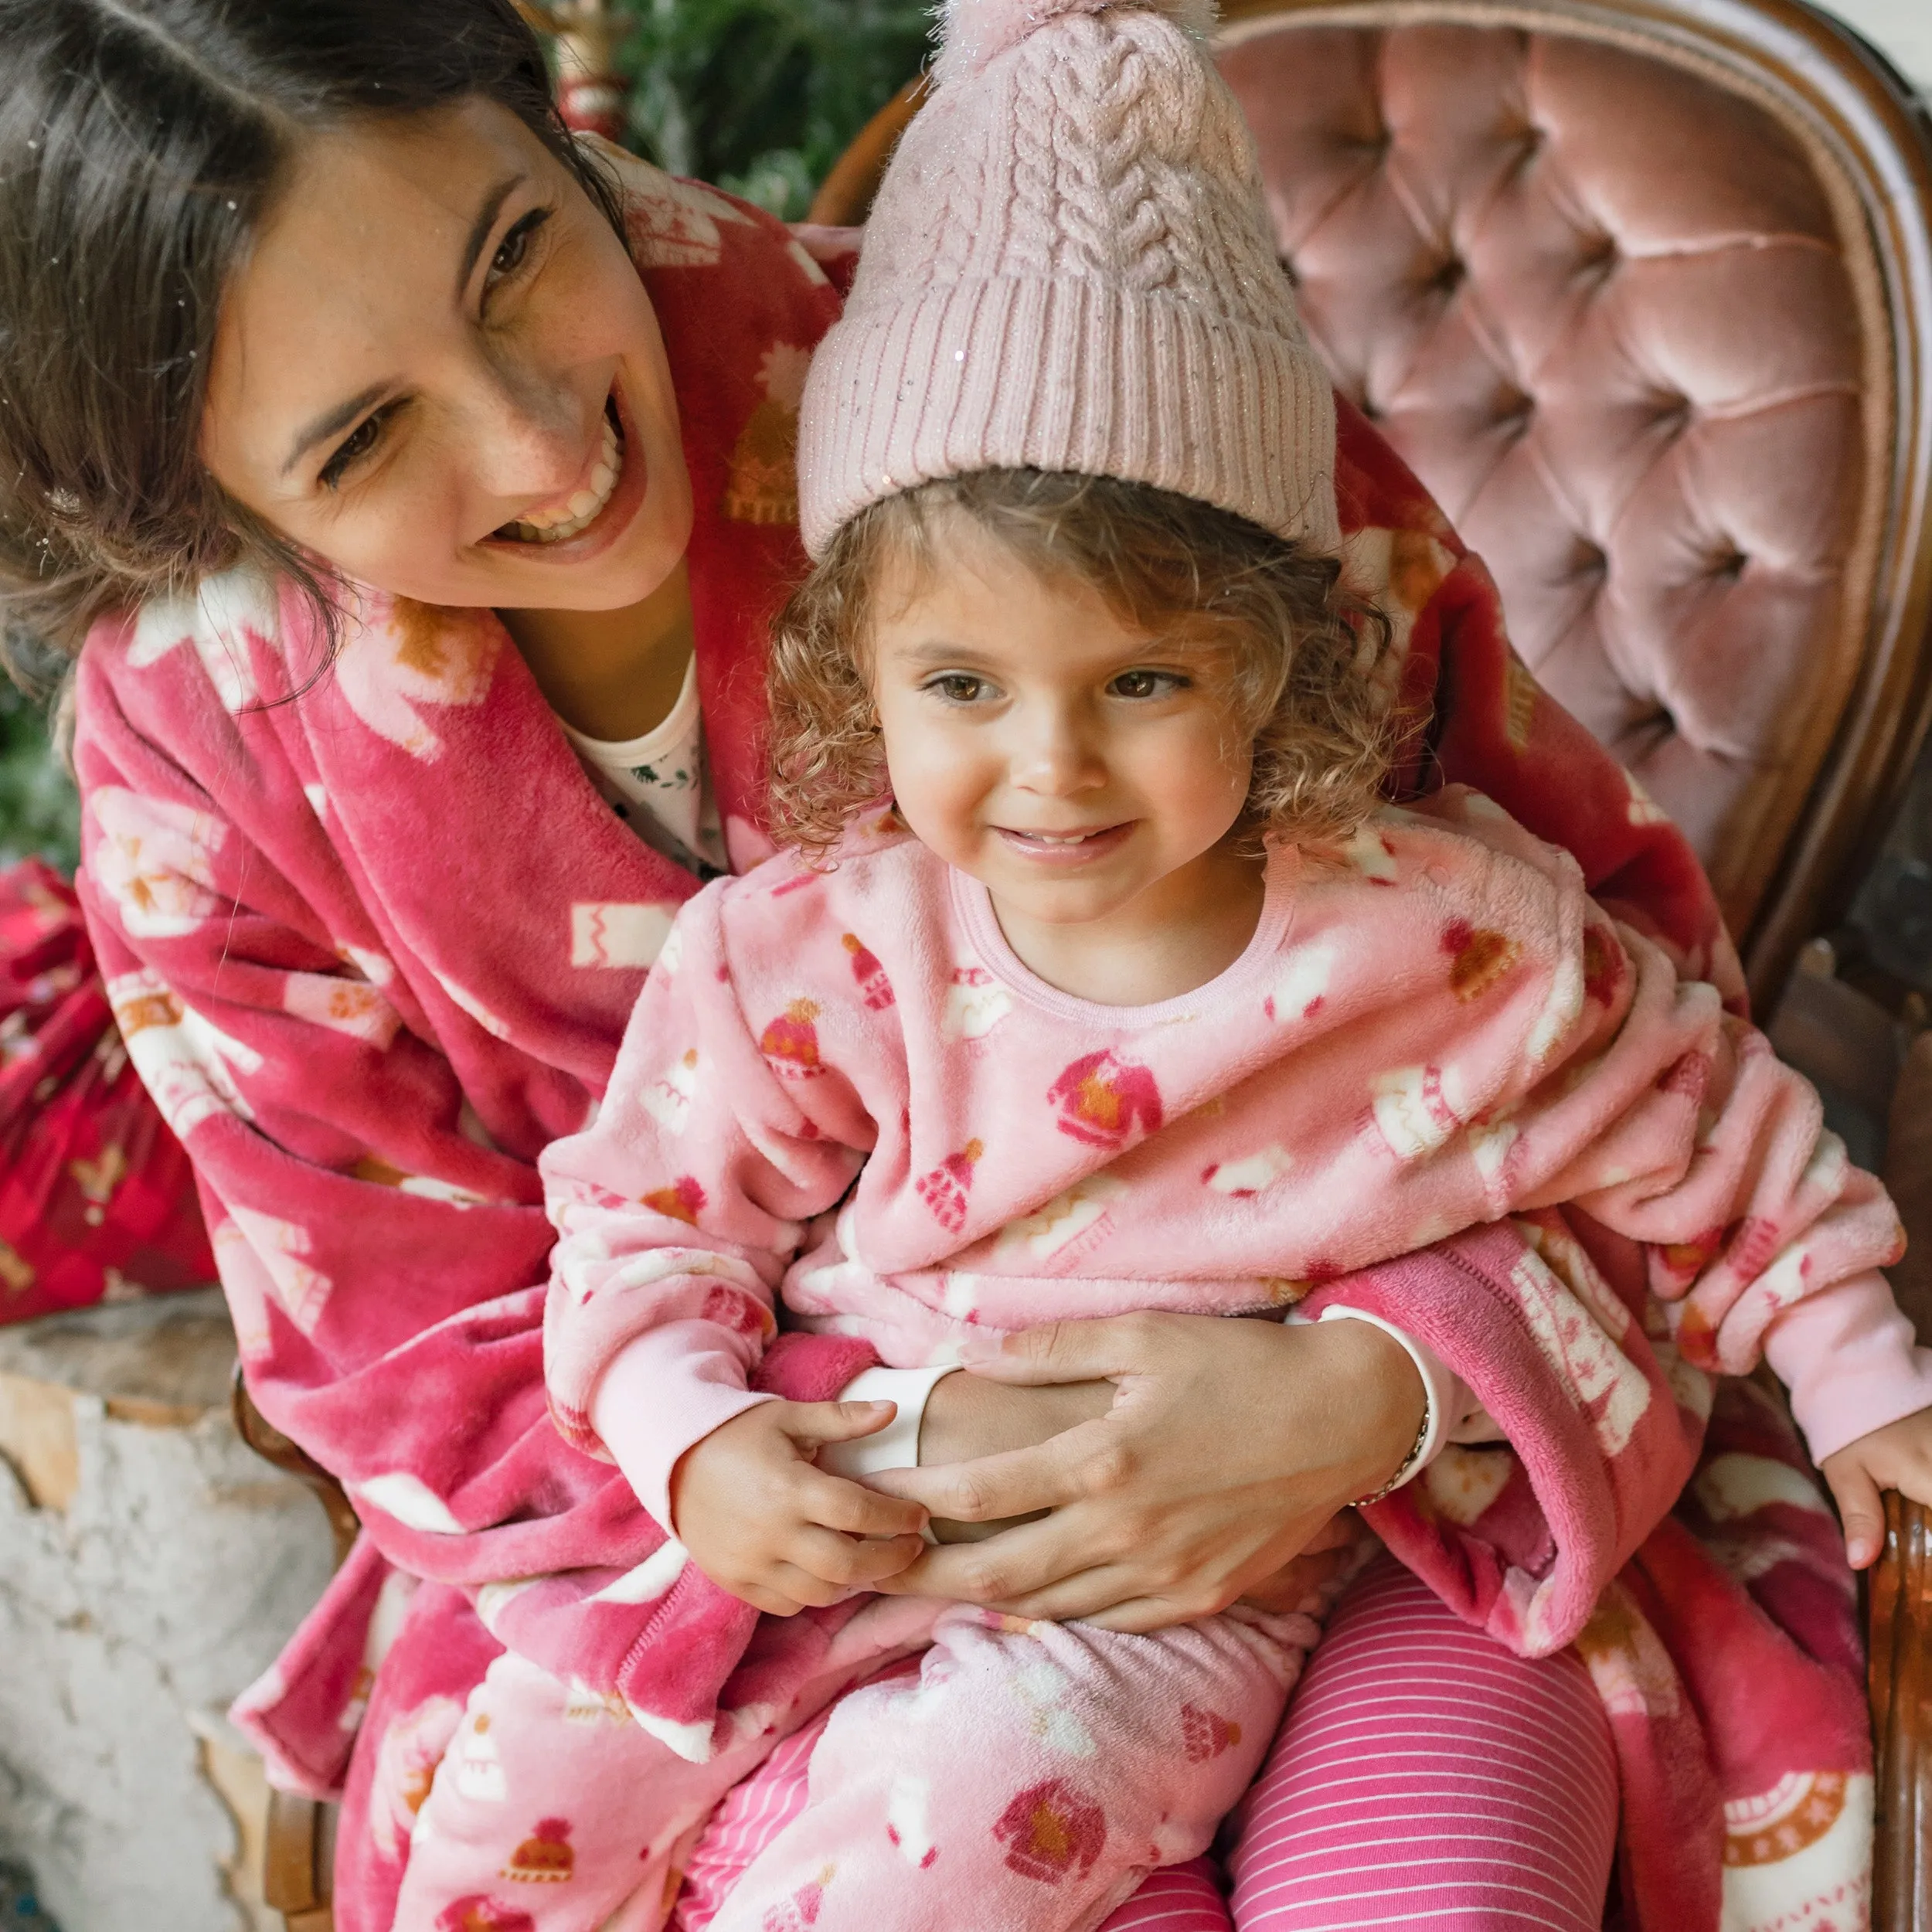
(1730, 565)
(1588, 559)
(1449, 277)
(1514, 410)
(1599, 256)
(1528, 142)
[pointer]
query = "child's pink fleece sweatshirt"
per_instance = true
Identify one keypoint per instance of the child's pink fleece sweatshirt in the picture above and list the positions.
(1432, 1026)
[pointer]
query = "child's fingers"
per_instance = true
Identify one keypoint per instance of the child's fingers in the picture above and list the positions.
(813, 1424)
(1861, 1509)
(856, 1507)
(787, 1581)
(845, 1563)
(772, 1602)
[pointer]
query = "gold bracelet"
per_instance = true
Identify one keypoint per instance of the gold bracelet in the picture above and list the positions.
(1405, 1468)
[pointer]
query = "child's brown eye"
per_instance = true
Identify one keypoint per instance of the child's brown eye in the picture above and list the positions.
(959, 687)
(1144, 684)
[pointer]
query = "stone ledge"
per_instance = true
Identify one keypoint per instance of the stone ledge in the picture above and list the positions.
(151, 1567)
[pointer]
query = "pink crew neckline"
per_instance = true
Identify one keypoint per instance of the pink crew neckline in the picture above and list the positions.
(974, 905)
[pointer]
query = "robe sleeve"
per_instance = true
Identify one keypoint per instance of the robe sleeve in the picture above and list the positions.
(679, 1210)
(1752, 1216)
(1602, 1422)
(385, 1262)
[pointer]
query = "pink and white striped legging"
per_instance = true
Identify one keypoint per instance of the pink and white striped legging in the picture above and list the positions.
(1424, 1777)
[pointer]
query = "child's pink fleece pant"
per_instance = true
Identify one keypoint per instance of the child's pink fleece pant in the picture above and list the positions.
(1012, 1777)
(1426, 1779)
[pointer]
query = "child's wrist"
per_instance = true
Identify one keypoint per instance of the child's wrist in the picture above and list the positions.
(896, 1446)
(969, 1416)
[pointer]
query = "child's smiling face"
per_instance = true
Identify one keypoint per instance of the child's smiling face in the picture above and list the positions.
(1080, 768)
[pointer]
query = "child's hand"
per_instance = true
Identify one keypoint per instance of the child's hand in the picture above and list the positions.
(1897, 1457)
(762, 1523)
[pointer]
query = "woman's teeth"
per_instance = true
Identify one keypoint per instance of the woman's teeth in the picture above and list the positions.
(583, 509)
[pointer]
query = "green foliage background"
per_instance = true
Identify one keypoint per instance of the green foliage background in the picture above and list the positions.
(762, 96)
(39, 812)
(759, 95)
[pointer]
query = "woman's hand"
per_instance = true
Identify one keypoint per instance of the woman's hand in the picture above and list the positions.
(1229, 1445)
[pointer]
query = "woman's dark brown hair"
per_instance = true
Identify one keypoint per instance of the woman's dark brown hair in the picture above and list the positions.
(1309, 669)
(141, 143)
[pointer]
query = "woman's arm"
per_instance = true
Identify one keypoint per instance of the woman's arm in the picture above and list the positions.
(1227, 1447)
(365, 1145)
(1231, 1442)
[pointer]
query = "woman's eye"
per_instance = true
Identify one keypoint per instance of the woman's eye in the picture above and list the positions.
(514, 249)
(351, 451)
(1146, 684)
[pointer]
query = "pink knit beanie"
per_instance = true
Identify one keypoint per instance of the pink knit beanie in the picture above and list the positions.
(1069, 267)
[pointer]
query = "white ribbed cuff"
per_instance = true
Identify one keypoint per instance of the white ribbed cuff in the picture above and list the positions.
(897, 1445)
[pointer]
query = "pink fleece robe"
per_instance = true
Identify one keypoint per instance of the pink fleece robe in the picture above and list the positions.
(1433, 1027)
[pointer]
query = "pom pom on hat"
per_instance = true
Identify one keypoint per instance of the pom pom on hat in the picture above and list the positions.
(972, 32)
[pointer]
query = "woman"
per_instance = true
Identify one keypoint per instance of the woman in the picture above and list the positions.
(418, 486)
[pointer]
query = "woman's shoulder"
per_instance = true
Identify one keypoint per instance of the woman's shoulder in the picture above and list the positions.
(178, 674)
(671, 221)
(211, 635)
(217, 677)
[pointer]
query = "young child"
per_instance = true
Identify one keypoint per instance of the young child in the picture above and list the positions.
(1097, 980)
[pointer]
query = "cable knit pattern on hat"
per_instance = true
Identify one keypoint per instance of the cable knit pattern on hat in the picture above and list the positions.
(1069, 267)
(972, 32)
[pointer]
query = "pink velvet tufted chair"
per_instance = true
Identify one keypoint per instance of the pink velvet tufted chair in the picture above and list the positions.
(1642, 291)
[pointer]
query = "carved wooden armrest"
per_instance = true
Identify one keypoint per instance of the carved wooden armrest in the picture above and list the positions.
(1901, 1676)
(844, 199)
(271, 1445)
(298, 1862)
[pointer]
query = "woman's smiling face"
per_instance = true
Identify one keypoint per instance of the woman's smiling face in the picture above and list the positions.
(437, 370)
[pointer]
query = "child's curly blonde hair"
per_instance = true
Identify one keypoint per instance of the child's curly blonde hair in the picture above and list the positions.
(1307, 655)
